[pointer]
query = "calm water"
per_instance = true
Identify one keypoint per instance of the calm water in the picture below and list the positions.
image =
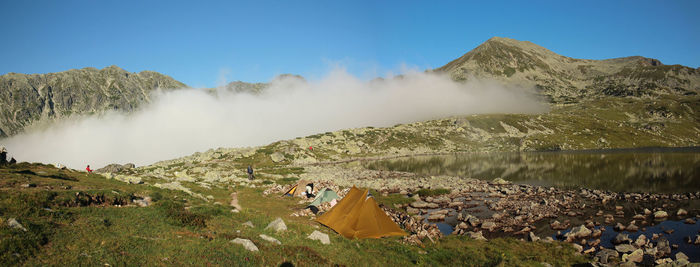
(661, 170)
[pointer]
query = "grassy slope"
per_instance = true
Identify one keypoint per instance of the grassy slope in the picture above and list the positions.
(62, 232)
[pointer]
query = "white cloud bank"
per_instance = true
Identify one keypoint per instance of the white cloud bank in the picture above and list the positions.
(181, 122)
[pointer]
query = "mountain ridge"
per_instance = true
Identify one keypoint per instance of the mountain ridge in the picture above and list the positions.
(29, 98)
(569, 80)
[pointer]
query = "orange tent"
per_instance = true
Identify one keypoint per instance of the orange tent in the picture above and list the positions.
(357, 215)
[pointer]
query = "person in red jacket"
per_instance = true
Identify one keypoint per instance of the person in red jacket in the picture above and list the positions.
(88, 169)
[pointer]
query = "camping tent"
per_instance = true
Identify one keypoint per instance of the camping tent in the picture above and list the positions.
(358, 216)
(297, 188)
(325, 195)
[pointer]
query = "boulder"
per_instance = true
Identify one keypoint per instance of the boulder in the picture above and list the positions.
(605, 254)
(500, 181)
(660, 214)
(681, 212)
(424, 205)
(641, 241)
(663, 247)
(681, 256)
(277, 225)
(316, 235)
(270, 239)
(476, 235)
(488, 225)
(621, 239)
(635, 256)
(578, 232)
(625, 248)
(532, 237)
(247, 244)
(249, 224)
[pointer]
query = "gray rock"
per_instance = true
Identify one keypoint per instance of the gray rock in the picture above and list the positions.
(605, 254)
(13, 223)
(143, 202)
(476, 235)
(635, 256)
(578, 232)
(424, 205)
(625, 248)
(270, 239)
(316, 235)
(277, 157)
(621, 238)
(641, 241)
(500, 181)
(277, 225)
(488, 225)
(663, 247)
(577, 247)
(660, 214)
(247, 244)
(681, 255)
(532, 237)
(249, 224)
(681, 212)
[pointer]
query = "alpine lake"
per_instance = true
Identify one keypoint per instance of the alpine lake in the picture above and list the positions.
(666, 171)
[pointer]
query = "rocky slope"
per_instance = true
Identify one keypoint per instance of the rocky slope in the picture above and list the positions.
(568, 80)
(28, 98)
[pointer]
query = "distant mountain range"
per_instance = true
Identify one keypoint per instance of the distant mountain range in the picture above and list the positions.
(26, 99)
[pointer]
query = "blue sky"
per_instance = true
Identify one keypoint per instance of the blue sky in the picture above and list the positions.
(202, 42)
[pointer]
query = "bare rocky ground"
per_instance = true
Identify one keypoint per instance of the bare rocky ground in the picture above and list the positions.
(487, 209)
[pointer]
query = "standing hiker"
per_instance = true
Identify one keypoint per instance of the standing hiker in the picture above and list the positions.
(250, 173)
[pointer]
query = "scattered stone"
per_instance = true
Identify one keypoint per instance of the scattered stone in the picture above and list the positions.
(476, 235)
(681, 212)
(143, 202)
(499, 181)
(641, 241)
(424, 205)
(578, 232)
(532, 237)
(689, 221)
(632, 227)
(316, 235)
(663, 247)
(488, 225)
(636, 256)
(625, 248)
(647, 212)
(638, 217)
(660, 214)
(13, 223)
(681, 256)
(621, 239)
(270, 239)
(589, 250)
(234, 201)
(605, 254)
(577, 247)
(249, 224)
(247, 244)
(277, 225)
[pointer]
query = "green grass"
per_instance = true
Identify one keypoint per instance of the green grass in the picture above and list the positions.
(181, 230)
